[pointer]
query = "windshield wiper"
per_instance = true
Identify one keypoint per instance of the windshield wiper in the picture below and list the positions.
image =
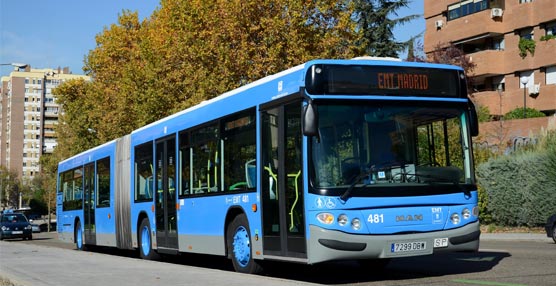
(356, 180)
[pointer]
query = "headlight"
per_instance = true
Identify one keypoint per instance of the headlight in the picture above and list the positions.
(5, 228)
(325, 218)
(454, 218)
(342, 219)
(356, 224)
(466, 213)
(29, 227)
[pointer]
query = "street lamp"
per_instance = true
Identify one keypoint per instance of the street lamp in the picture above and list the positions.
(524, 80)
(16, 65)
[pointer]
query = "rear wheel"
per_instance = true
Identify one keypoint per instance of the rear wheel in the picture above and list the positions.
(239, 246)
(79, 242)
(145, 244)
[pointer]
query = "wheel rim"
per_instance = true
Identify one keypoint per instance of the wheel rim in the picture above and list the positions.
(79, 237)
(241, 246)
(145, 241)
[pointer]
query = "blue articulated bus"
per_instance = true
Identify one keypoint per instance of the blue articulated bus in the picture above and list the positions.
(362, 159)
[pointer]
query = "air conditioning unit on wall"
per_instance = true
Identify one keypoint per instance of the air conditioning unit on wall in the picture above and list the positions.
(496, 12)
(439, 24)
(535, 89)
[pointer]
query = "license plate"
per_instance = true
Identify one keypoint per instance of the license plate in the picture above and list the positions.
(408, 246)
(17, 232)
(440, 242)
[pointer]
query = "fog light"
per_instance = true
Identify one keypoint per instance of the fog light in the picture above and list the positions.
(356, 224)
(325, 218)
(466, 213)
(455, 218)
(342, 219)
(475, 211)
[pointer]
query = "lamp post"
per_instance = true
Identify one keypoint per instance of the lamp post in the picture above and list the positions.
(524, 80)
(18, 66)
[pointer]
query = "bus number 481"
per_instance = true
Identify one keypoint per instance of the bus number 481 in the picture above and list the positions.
(376, 218)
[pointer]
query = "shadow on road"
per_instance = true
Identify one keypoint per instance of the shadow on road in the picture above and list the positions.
(397, 269)
(330, 273)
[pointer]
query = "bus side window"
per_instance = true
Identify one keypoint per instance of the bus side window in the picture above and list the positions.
(239, 149)
(144, 181)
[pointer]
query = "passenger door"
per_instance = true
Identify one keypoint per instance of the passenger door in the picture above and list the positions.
(89, 204)
(165, 198)
(282, 187)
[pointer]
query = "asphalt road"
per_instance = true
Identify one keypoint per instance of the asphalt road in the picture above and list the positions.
(503, 260)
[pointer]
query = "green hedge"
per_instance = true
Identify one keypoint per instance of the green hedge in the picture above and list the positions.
(521, 187)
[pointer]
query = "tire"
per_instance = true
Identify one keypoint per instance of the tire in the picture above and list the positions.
(146, 250)
(78, 235)
(554, 232)
(238, 240)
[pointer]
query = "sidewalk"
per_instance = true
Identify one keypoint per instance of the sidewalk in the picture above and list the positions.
(529, 236)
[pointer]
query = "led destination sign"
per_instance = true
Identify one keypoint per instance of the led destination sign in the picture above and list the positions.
(402, 81)
(336, 79)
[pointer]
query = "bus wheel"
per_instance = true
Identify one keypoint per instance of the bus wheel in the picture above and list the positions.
(239, 246)
(79, 237)
(145, 245)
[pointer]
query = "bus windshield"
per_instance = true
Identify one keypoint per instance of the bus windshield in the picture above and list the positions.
(385, 145)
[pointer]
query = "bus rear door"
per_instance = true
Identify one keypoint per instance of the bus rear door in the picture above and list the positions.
(166, 224)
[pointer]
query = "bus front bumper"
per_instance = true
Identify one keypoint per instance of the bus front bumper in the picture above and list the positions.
(326, 245)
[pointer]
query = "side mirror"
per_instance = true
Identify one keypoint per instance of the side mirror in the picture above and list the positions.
(473, 119)
(310, 120)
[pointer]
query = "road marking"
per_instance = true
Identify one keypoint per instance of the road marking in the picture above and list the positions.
(481, 282)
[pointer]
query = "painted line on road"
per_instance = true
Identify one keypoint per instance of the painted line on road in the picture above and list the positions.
(482, 282)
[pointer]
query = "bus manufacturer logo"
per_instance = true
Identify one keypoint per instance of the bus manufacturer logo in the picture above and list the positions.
(404, 218)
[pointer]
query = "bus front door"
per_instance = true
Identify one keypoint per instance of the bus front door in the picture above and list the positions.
(89, 202)
(282, 209)
(166, 224)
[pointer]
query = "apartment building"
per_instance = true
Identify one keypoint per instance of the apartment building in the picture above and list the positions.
(28, 117)
(489, 32)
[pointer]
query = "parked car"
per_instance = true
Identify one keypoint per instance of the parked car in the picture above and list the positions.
(15, 225)
(35, 227)
(551, 227)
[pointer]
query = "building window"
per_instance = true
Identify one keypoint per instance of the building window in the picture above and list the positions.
(498, 43)
(551, 75)
(528, 74)
(526, 34)
(550, 29)
(525, 1)
(465, 8)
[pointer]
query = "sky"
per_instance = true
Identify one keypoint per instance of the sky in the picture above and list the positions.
(60, 33)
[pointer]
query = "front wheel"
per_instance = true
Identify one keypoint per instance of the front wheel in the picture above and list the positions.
(554, 232)
(239, 246)
(145, 245)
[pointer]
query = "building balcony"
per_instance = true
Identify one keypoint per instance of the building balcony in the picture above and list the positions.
(544, 53)
(500, 103)
(469, 27)
(488, 62)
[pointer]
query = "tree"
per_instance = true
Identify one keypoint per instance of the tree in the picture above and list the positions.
(188, 52)
(452, 55)
(518, 113)
(10, 188)
(373, 18)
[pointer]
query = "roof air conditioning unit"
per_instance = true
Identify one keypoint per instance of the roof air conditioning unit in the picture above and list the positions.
(439, 24)
(535, 89)
(496, 12)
